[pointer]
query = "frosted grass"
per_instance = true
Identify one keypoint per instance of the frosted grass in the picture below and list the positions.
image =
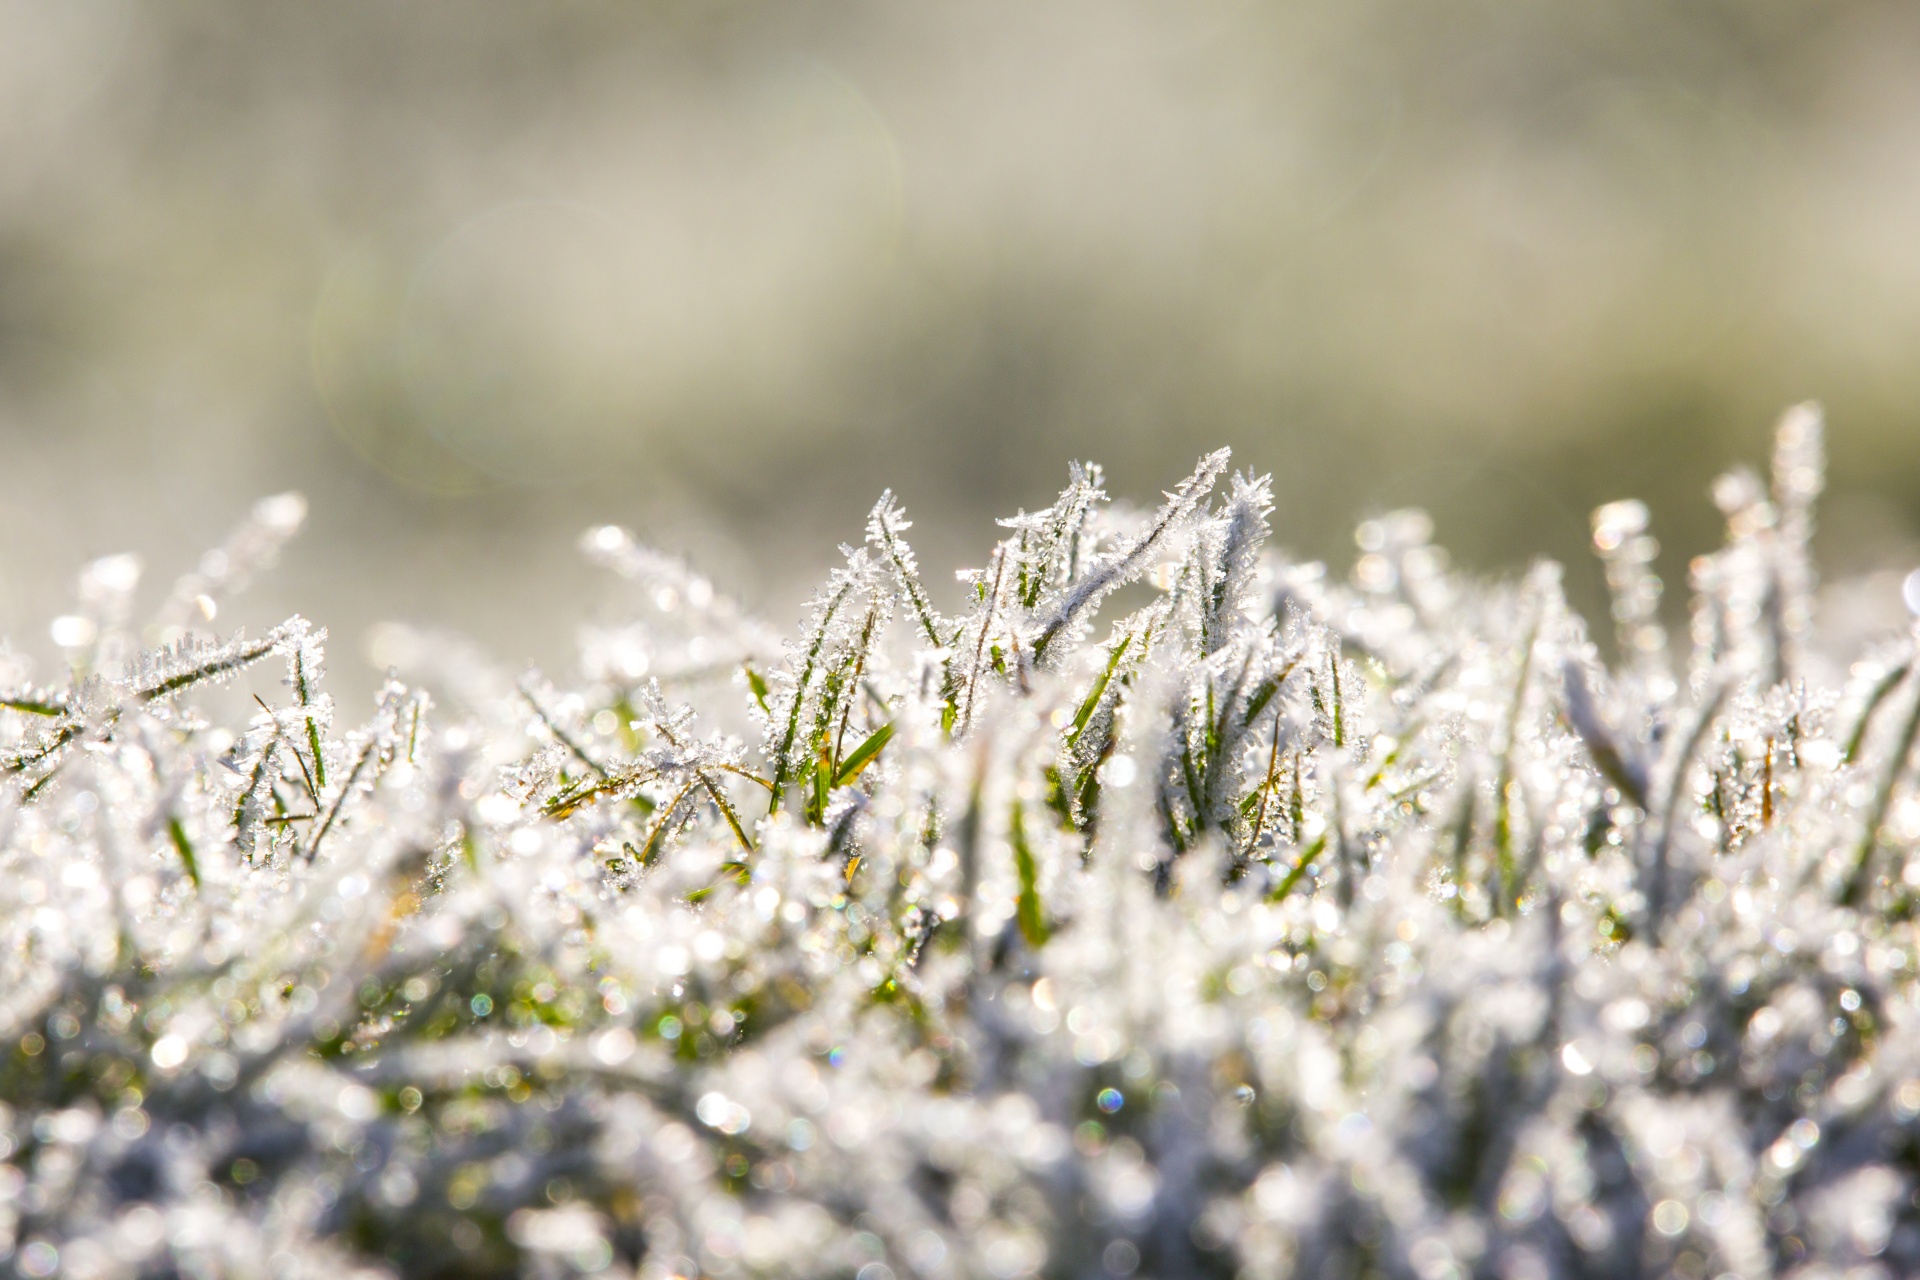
(1281, 926)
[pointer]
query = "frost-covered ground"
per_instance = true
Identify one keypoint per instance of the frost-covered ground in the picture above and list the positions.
(1281, 926)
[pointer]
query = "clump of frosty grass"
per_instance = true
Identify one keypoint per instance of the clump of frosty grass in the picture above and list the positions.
(1281, 926)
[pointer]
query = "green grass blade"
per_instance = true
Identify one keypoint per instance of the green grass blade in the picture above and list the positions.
(863, 755)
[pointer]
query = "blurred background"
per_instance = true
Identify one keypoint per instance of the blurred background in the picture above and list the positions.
(475, 275)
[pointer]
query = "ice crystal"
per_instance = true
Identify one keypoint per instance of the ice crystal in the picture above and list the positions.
(1284, 925)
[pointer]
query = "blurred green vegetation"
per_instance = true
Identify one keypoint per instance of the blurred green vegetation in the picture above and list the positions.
(476, 275)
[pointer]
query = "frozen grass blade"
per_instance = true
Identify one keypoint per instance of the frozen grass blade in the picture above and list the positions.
(1295, 926)
(1128, 562)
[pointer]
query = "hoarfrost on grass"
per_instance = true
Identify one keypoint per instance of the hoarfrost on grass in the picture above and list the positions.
(1280, 926)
